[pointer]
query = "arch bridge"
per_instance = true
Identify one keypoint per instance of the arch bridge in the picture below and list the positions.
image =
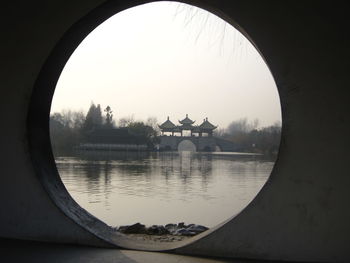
(202, 144)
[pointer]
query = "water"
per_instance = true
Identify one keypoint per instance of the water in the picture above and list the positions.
(161, 188)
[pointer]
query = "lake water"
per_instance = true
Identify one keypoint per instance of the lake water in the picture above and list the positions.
(160, 188)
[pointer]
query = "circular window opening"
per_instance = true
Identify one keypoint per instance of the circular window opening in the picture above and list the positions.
(165, 122)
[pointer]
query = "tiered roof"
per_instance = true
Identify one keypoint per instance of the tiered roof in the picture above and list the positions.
(187, 124)
(167, 125)
(187, 121)
(206, 125)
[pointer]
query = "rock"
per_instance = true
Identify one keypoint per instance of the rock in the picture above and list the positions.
(133, 229)
(181, 225)
(169, 232)
(184, 232)
(157, 230)
(196, 228)
(171, 228)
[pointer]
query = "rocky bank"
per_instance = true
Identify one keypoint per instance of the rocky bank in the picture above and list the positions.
(160, 233)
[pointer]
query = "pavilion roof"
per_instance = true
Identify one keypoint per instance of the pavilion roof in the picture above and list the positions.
(187, 120)
(206, 125)
(167, 125)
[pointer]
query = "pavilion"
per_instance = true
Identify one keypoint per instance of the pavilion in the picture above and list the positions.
(187, 125)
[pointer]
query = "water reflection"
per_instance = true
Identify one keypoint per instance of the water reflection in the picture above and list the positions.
(159, 188)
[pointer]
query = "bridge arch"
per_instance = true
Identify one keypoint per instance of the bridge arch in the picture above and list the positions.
(218, 148)
(186, 145)
(207, 149)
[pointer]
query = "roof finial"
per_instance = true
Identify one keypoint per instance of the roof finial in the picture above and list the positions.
(207, 119)
(168, 117)
(186, 115)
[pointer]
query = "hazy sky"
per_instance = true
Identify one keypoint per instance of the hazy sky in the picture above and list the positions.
(168, 59)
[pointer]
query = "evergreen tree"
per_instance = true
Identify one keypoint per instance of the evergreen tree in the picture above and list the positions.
(109, 117)
(93, 118)
(98, 116)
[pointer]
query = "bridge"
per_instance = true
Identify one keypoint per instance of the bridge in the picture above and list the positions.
(200, 137)
(199, 144)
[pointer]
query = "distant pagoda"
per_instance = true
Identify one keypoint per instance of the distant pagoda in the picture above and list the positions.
(187, 125)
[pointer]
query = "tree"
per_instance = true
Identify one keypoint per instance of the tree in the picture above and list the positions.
(109, 117)
(145, 133)
(78, 119)
(268, 139)
(97, 117)
(242, 126)
(93, 118)
(65, 130)
(153, 122)
(221, 132)
(89, 119)
(126, 121)
(248, 137)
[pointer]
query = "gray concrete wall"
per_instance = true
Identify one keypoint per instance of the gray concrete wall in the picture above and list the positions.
(302, 213)
(31, 29)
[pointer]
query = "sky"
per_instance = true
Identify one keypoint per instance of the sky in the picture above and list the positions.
(169, 59)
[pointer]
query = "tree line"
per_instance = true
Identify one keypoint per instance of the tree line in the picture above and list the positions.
(70, 128)
(249, 137)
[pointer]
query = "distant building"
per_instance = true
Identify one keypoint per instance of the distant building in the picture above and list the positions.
(206, 128)
(117, 139)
